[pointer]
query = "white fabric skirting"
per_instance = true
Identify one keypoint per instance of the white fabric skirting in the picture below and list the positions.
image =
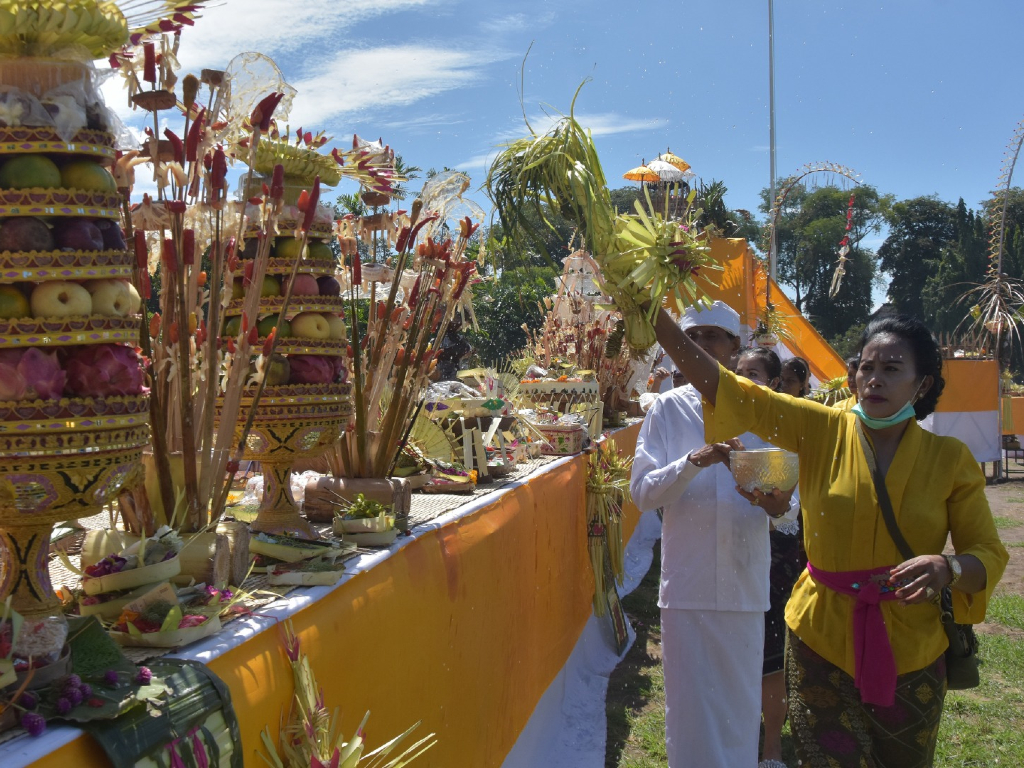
(568, 727)
(979, 430)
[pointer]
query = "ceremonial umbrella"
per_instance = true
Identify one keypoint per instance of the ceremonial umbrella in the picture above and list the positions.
(674, 160)
(668, 172)
(641, 173)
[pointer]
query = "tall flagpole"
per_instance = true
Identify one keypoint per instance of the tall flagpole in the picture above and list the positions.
(772, 257)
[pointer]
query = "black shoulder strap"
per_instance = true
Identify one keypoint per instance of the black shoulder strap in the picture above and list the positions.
(883, 496)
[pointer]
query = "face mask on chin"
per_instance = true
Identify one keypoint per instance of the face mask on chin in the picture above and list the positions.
(904, 413)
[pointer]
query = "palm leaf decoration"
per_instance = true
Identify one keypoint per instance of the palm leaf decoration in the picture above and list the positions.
(647, 257)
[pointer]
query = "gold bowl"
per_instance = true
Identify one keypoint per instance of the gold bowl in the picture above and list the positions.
(765, 469)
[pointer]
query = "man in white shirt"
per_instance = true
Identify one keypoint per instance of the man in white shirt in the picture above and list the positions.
(715, 559)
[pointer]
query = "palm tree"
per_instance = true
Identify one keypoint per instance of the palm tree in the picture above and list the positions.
(409, 171)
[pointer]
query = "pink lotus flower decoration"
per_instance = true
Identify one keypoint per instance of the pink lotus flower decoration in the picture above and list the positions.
(30, 375)
(310, 369)
(104, 370)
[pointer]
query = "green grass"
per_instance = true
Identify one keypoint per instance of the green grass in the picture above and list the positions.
(985, 726)
(647, 728)
(1006, 522)
(1007, 610)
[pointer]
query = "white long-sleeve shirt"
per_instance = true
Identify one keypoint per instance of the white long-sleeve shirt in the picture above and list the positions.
(715, 552)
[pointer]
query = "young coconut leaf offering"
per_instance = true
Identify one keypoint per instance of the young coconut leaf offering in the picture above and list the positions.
(647, 257)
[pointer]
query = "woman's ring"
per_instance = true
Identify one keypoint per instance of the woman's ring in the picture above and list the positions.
(755, 502)
(929, 591)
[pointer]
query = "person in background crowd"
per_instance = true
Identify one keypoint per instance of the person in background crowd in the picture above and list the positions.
(714, 567)
(795, 380)
(648, 398)
(762, 366)
(865, 658)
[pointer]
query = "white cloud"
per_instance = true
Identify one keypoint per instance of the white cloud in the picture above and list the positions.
(598, 123)
(477, 162)
(276, 27)
(389, 76)
(422, 121)
(516, 22)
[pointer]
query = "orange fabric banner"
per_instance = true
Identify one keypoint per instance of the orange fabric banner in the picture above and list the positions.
(464, 629)
(971, 385)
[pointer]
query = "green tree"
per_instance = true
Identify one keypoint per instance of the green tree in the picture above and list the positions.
(960, 264)
(503, 305)
(919, 230)
(810, 227)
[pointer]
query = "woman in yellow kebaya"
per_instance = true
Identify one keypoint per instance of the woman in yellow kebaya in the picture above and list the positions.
(858, 697)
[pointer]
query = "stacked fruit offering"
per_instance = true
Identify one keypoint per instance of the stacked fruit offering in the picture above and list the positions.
(73, 411)
(312, 337)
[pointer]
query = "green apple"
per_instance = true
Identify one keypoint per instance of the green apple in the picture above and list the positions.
(13, 304)
(267, 324)
(233, 326)
(26, 171)
(86, 174)
(318, 249)
(310, 325)
(271, 286)
(287, 247)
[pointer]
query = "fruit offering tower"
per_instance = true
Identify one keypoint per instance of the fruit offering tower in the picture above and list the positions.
(305, 403)
(74, 413)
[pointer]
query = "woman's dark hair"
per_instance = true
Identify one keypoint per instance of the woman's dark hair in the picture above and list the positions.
(926, 350)
(799, 368)
(772, 364)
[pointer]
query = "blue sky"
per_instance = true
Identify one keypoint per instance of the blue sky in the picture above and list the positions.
(918, 96)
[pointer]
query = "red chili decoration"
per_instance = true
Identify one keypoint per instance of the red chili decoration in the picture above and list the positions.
(194, 132)
(141, 250)
(254, 335)
(149, 63)
(247, 273)
(415, 292)
(269, 340)
(357, 270)
(277, 183)
(188, 246)
(337, 156)
(170, 255)
(219, 169)
(403, 239)
(311, 202)
(176, 146)
(147, 286)
(260, 117)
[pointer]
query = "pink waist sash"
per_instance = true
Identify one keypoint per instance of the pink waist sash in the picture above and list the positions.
(874, 663)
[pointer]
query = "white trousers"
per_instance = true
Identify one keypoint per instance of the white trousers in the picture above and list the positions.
(712, 662)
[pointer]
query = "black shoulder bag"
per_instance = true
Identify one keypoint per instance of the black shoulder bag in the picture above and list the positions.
(961, 656)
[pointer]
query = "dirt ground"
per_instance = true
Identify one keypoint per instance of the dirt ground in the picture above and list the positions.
(631, 689)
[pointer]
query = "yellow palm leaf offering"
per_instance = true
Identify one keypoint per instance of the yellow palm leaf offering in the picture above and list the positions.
(648, 258)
